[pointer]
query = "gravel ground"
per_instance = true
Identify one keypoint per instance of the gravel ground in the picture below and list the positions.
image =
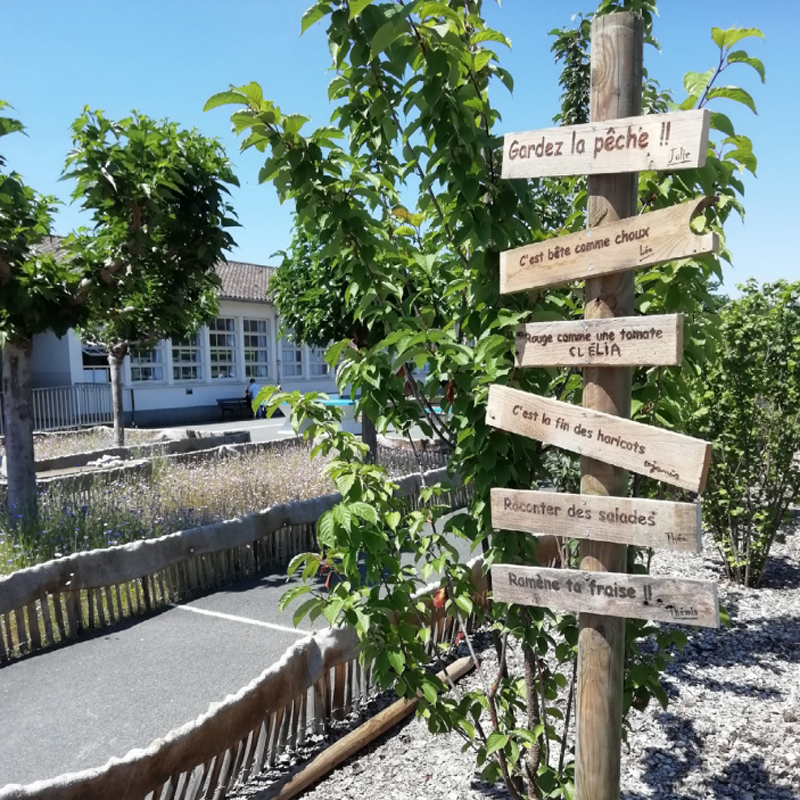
(731, 731)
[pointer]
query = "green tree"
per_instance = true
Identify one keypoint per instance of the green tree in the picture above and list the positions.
(38, 293)
(412, 141)
(158, 199)
(315, 308)
(750, 409)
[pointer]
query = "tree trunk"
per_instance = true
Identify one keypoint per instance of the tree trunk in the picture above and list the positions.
(370, 437)
(18, 418)
(116, 355)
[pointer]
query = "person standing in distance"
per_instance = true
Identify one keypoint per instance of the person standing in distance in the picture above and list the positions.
(250, 392)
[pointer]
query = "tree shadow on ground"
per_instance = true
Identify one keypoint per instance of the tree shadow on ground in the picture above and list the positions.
(739, 778)
(666, 769)
(771, 644)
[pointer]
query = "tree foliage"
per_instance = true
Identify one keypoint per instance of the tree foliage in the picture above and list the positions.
(157, 196)
(39, 293)
(750, 409)
(399, 202)
(158, 200)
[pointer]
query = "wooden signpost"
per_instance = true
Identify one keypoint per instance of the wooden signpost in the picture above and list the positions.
(646, 523)
(654, 142)
(616, 342)
(610, 149)
(671, 457)
(628, 244)
(608, 594)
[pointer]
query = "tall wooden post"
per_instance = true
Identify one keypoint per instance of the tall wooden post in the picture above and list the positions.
(616, 91)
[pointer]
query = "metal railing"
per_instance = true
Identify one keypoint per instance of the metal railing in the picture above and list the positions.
(76, 406)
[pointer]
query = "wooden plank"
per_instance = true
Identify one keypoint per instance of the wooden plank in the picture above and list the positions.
(678, 140)
(645, 523)
(630, 243)
(611, 594)
(671, 457)
(611, 342)
(33, 626)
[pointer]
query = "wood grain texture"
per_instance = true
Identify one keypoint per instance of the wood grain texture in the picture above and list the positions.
(615, 91)
(608, 594)
(615, 342)
(671, 457)
(652, 142)
(630, 243)
(646, 523)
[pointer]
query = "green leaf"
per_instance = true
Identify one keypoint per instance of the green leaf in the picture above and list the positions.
(740, 57)
(396, 660)
(304, 609)
(495, 741)
(357, 6)
(313, 14)
(387, 34)
(365, 511)
(295, 563)
(225, 98)
(326, 529)
(429, 691)
(720, 122)
(291, 595)
(695, 82)
(731, 36)
(733, 93)
(292, 123)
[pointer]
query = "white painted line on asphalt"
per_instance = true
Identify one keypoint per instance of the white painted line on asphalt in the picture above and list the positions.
(233, 618)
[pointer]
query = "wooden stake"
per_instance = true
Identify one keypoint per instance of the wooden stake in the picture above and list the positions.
(616, 91)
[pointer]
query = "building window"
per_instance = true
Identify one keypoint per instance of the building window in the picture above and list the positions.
(147, 364)
(95, 363)
(256, 348)
(187, 359)
(316, 361)
(291, 360)
(222, 347)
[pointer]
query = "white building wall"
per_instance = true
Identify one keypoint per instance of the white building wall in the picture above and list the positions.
(164, 397)
(174, 399)
(50, 362)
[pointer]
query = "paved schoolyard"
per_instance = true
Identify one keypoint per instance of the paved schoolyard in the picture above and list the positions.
(74, 707)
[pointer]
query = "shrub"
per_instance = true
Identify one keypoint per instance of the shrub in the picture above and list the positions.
(751, 411)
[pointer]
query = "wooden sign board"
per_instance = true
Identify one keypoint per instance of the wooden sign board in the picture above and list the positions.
(613, 342)
(630, 243)
(671, 457)
(653, 142)
(645, 523)
(612, 594)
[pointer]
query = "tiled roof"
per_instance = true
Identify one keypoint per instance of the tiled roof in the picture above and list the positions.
(240, 281)
(50, 244)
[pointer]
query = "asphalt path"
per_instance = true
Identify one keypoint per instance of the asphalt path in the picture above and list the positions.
(74, 707)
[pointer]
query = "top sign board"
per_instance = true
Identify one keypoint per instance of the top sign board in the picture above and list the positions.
(653, 142)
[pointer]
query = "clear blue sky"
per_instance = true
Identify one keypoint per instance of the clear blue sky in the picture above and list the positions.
(166, 58)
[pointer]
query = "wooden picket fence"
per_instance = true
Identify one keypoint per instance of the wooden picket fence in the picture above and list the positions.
(62, 599)
(318, 680)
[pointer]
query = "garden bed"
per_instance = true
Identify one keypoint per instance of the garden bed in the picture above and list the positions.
(55, 444)
(175, 497)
